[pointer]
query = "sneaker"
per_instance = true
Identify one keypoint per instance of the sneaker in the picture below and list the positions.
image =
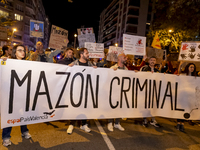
(6, 142)
(155, 124)
(110, 127)
(118, 126)
(85, 128)
(70, 129)
(26, 135)
(145, 124)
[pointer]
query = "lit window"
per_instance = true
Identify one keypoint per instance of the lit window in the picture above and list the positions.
(18, 17)
(3, 13)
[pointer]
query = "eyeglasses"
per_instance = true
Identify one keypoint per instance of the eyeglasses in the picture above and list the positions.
(20, 50)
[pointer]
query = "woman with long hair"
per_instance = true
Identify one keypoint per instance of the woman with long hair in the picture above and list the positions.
(18, 53)
(190, 70)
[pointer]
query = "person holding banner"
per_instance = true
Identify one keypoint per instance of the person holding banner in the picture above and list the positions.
(41, 55)
(82, 61)
(190, 70)
(68, 59)
(120, 65)
(19, 53)
(150, 68)
(7, 51)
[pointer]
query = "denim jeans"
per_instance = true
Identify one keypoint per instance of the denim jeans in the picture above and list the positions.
(6, 131)
(83, 122)
(116, 120)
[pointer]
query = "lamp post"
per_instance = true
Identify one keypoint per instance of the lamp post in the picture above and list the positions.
(116, 44)
(75, 35)
(14, 30)
(173, 39)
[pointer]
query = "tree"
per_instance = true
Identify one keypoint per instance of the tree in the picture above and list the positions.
(181, 16)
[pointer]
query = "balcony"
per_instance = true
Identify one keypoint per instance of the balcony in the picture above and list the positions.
(8, 5)
(29, 5)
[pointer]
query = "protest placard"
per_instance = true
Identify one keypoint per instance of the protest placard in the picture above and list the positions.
(3, 33)
(36, 29)
(86, 38)
(96, 50)
(113, 53)
(134, 45)
(58, 38)
(158, 53)
(190, 51)
(83, 31)
(35, 92)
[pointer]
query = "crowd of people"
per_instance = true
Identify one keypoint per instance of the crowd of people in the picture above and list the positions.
(125, 62)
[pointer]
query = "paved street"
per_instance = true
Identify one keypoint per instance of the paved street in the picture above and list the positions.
(53, 136)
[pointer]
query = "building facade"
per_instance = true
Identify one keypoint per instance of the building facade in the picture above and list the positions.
(124, 16)
(22, 11)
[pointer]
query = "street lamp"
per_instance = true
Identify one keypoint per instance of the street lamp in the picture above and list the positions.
(116, 44)
(75, 35)
(170, 31)
(14, 30)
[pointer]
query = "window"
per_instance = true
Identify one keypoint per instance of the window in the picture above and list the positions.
(20, 8)
(18, 17)
(3, 13)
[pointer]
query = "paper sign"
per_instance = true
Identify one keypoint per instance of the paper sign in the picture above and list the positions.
(113, 53)
(86, 38)
(134, 45)
(190, 51)
(36, 29)
(84, 31)
(58, 38)
(96, 50)
(158, 53)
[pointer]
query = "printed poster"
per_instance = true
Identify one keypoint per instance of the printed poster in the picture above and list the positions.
(96, 50)
(113, 53)
(190, 51)
(36, 29)
(134, 45)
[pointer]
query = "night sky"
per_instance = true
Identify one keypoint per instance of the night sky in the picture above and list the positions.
(71, 16)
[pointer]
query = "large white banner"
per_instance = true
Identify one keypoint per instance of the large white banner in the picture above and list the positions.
(190, 51)
(134, 45)
(96, 50)
(33, 92)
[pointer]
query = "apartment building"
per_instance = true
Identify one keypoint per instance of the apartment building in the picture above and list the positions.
(23, 11)
(124, 16)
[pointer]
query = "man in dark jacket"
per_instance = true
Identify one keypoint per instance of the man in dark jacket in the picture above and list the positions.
(68, 59)
(150, 68)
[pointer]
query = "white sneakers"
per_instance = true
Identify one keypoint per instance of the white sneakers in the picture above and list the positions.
(110, 127)
(70, 129)
(26, 135)
(118, 126)
(6, 142)
(85, 128)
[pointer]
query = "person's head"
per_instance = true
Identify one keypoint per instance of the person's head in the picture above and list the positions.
(7, 50)
(190, 69)
(129, 60)
(83, 54)
(95, 60)
(152, 61)
(122, 58)
(39, 46)
(19, 52)
(139, 61)
(69, 53)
